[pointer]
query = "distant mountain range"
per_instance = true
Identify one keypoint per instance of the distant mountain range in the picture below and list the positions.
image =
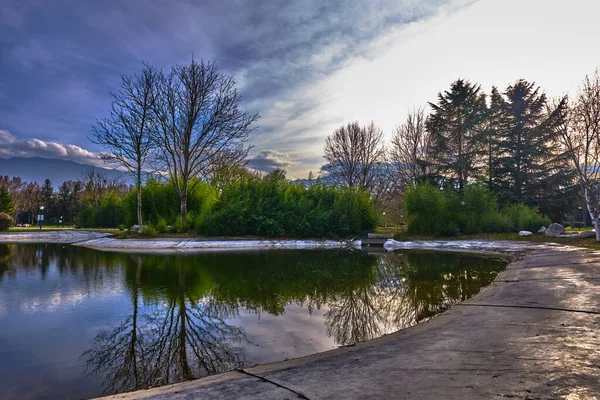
(37, 169)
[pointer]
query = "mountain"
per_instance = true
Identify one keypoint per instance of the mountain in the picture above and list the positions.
(38, 169)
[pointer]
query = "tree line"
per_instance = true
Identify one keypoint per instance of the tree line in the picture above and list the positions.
(521, 146)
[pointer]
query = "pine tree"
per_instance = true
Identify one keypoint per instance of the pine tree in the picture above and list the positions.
(457, 125)
(532, 166)
(497, 124)
(6, 201)
(48, 199)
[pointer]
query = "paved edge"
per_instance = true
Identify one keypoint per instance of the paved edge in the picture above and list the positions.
(516, 257)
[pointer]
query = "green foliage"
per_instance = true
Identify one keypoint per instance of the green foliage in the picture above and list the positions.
(160, 200)
(148, 230)
(6, 221)
(121, 227)
(273, 207)
(523, 218)
(161, 225)
(6, 201)
(110, 213)
(456, 125)
(436, 212)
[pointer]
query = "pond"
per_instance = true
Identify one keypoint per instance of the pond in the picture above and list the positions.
(78, 323)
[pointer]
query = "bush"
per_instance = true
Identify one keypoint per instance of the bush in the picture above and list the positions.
(6, 221)
(272, 206)
(161, 225)
(180, 226)
(148, 230)
(436, 212)
(523, 218)
(121, 227)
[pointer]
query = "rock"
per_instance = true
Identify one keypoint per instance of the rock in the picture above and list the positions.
(525, 233)
(542, 230)
(136, 228)
(587, 234)
(555, 230)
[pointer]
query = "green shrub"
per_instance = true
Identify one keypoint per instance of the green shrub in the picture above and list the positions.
(272, 206)
(161, 225)
(180, 226)
(121, 227)
(435, 212)
(6, 221)
(523, 218)
(148, 230)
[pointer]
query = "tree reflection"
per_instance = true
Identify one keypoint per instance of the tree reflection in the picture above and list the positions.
(182, 309)
(407, 289)
(180, 336)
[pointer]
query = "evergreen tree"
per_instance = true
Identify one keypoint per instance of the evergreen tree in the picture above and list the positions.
(6, 202)
(497, 124)
(457, 125)
(532, 166)
(48, 199)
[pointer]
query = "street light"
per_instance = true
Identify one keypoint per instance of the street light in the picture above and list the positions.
(582, 216)
(41, 216)
(384, 220)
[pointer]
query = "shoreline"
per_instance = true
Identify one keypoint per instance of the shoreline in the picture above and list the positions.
(486, 346)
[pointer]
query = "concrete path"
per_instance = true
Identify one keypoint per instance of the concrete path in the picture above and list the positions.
(533, 334)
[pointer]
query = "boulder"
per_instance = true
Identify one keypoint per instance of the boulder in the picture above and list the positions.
(542, 230)
(525, 233)
(136, 228)
(555, 230)
(587, 234)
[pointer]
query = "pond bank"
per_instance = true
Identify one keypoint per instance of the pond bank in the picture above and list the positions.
(56, 236)
(532, 334)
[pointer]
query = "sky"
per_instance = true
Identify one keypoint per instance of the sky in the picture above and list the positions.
(306, 66)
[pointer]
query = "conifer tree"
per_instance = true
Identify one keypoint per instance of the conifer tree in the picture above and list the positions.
(456, 126)
(6, 201)
(532, 164)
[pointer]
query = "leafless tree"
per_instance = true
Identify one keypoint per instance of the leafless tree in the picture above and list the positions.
(410, 148)
(581, 136)
(199, 119)
(354, 153)
(96, 184)
(228, 166)
(126, 133)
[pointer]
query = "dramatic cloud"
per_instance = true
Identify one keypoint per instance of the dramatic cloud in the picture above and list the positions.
(11, 147)
(307, 66)
(269, 160)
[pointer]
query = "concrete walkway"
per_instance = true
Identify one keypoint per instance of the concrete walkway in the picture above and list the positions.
(533, 334)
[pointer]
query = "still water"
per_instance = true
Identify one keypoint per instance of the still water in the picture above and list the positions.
(78, 323)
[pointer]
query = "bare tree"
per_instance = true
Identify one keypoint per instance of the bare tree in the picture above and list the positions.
(199, 119)
(410, 148)
(227, 167)
(127, 132)
(96, 184)
(354, 153)
(581, 136)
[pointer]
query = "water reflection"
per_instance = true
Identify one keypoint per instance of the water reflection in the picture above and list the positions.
(185, 316)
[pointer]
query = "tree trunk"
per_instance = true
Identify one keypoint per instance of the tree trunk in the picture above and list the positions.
(139, 196)
(183, 199)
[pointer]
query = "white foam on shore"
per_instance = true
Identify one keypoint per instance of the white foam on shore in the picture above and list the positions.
(66, 236)
(479, 245)
(159, 245)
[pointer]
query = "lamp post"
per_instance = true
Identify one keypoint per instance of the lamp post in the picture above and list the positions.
(41, 216)
(384, 220)
(582, 216)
